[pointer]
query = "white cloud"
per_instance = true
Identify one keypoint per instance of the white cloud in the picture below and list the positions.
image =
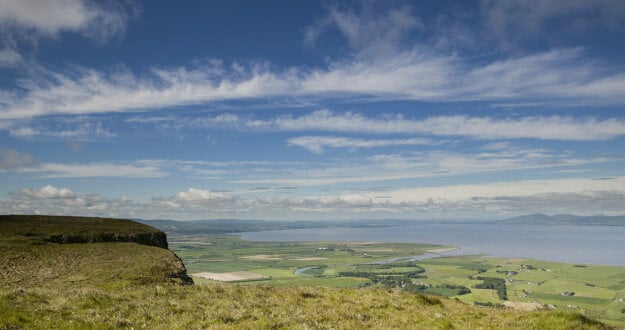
(536, 127)
(389, 167)
(411, 75)
(55, 170)
(193, 195)
(317, 144)
(504, 145)
(25, 164)
(11, 160)
(82, 131)
(508, 189)
(48, 192)
(539, 127)
(374, 29)
(9, 58)
(522, 20)
(54, 16)
(88, 91)
(498, 199)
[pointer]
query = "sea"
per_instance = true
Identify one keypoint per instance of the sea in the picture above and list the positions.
(562, 243)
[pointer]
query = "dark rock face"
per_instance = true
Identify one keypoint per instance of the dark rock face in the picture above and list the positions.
(158, 239)
(41, 229)
(181, 275)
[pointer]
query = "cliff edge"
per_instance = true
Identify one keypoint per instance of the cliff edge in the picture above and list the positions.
(59, 251)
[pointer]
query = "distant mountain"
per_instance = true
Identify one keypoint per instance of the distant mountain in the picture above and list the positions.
(566, 219)
(226, 226)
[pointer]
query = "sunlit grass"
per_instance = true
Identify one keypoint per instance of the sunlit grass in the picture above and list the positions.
(261, 306)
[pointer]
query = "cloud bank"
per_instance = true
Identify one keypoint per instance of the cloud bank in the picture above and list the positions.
(499, 199)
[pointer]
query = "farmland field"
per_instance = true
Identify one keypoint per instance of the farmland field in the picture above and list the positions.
(595, 290)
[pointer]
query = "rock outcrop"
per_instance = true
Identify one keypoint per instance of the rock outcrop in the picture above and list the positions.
(158, 238)
(55, 248)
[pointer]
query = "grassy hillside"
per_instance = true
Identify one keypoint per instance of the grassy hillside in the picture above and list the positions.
(262, 307)
(69, 252)
(115, 282)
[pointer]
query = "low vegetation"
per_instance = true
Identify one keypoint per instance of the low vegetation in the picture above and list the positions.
(235, 306)
(109, 281)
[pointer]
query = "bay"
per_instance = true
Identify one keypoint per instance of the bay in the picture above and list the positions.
(562, 243)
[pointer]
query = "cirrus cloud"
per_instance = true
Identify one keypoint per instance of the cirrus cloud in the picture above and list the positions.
(316, 144)
(535, 127)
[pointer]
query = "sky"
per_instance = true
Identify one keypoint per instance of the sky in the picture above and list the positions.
(312, 110)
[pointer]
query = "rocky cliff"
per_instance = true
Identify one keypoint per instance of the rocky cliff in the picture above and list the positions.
(51, 250)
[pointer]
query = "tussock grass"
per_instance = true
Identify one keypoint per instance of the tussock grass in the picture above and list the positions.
(257, 307)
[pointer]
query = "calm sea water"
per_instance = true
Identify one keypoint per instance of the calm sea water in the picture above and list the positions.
(574, 244)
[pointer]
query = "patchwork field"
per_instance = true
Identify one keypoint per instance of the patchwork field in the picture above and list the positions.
(232, 276)
(593, 290)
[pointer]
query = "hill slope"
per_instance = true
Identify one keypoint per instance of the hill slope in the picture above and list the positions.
(68, 252)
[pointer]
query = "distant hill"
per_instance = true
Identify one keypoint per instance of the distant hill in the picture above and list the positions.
(226, 226)
(566, 219)
(60, 251)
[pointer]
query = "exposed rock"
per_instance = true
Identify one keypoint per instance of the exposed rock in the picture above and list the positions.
(158, 239)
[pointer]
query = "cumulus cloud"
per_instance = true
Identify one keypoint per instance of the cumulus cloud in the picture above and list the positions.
(193, 195)
(48, 192)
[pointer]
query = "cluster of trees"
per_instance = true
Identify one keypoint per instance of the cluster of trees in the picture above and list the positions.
(387, 279)
(402, 280)
(493, 283)
(399, 264)
(460, 289)
(423, 288)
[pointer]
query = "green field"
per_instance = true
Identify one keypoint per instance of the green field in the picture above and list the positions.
(598, 289)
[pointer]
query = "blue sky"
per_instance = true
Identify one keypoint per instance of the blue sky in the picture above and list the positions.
(292, 110)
